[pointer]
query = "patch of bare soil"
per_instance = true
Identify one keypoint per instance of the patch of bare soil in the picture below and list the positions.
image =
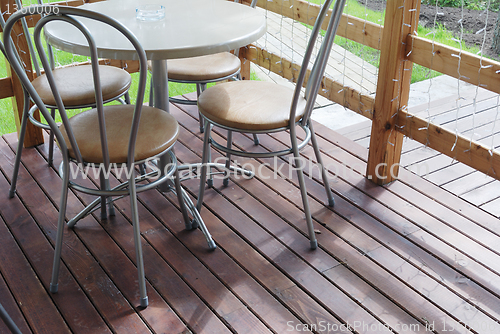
(469, 25)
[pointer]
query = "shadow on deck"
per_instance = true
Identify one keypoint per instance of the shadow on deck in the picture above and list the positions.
(410, 256)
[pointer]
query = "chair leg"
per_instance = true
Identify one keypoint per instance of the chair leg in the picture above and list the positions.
(51, 139)
(72, 222)
(20, 144)
(127, 98)
(225, 182)
(199, 221)
(104, 211)
(182, 204)
(210, 181)
(54, 285)
(324, 175)
(11, 325)
(111, 208)
(303, 191)
(255, 139)
(199, 89)
(204, 165)
(137, 243)
(151, 93)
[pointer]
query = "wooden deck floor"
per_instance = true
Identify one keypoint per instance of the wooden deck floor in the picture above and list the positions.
(411, 256)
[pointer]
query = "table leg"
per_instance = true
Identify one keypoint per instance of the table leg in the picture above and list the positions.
(160, 84)
(160, 89)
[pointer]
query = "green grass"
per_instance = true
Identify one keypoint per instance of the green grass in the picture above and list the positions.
(372, 56)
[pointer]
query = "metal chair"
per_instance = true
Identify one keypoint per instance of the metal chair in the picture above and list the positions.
(263, 107)
(76, 89)
(203, 70)
(119, 136)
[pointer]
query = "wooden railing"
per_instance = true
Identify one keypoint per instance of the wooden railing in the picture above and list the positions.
(400, 48)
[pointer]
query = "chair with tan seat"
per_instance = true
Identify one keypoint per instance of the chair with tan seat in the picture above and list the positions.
(118, 137)
(76, 89)
(263, 107)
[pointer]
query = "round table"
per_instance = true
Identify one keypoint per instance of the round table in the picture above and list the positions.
(190, 28)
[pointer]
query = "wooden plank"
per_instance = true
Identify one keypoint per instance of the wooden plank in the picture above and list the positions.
(6, 89)
(449, 174)
(468, 183)
(468, 67)
(353, 28)
(393, 86)
(396, 273)
(465, 227)
(492, 207)
(35, 303)
(484, 194)
(23, 281)
(8, 301)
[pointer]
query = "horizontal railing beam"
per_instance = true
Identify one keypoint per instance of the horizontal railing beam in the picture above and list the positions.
(353, 28)
(330, 89)
(450, 143)
(468, 67)
(6, 89)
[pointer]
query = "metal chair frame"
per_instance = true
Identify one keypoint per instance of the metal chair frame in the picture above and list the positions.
(68, 15)
(311, 92)
(11, 325)
(28, 113)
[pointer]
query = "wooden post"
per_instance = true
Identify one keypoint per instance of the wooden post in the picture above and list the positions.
(33, 134)
(393, 87)
(245, 63)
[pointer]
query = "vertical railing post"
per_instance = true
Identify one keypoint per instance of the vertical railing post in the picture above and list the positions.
(245, 63)
(34, 134)
(393, 86)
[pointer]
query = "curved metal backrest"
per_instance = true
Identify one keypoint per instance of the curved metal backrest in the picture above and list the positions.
(68, 15)
(321, 60)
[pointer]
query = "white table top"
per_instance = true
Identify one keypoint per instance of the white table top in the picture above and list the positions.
(190, 28)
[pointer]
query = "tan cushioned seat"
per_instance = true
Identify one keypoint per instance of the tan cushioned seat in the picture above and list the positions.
(76, 85)
(203, 68)
(158, 130)
(249, 105)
